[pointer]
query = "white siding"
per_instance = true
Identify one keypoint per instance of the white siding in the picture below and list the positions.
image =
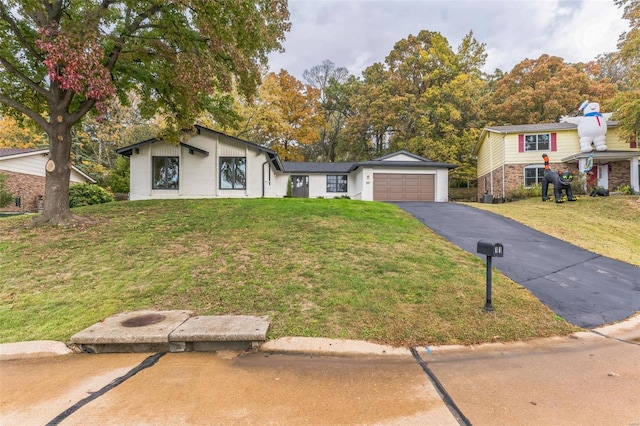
(199, 173)
(401, 157)
(29, 164)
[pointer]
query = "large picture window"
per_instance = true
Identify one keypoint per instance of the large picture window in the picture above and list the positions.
(233, 173)
(533, 175)
(165, 172)
(337, 183)
(537, 142)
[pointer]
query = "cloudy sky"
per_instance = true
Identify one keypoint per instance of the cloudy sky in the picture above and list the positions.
(357, 33)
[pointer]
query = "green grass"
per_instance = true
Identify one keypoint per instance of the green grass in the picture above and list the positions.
(326, 268)
(609, 226)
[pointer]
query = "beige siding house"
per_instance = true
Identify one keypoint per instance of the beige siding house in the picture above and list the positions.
(214, 165)
(511, 156)
(25, 171)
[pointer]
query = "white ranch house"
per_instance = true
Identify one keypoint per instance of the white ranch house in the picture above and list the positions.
(214, 165)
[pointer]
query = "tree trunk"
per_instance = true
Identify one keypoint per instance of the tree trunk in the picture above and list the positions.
(58, 171)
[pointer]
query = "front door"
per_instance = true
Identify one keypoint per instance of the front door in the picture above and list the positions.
(603, 176)
(300, 186)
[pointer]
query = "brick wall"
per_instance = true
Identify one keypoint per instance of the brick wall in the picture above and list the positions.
(513, 178)
(27, 187)
(619, 174)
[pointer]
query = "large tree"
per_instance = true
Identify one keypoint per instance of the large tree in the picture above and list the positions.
(285, 117)
(626, 104)
(541, 90)
(61, 59)
(322, 77)
(421, 99)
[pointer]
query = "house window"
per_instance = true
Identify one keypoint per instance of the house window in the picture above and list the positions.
(233, 172)
(537, 142)
(533, 175)
(165, 172)
(337, 183)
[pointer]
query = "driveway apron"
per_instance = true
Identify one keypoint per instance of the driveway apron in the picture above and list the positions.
(584, 288)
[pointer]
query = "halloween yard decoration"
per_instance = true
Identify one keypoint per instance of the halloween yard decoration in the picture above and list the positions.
(561, 182)
(592, 126)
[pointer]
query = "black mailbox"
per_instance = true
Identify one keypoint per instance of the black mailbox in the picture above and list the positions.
(490, 249)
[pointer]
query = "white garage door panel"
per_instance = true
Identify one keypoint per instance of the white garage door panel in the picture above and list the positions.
(403, 187)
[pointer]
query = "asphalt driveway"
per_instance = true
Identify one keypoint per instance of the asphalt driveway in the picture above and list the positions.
(584, 288)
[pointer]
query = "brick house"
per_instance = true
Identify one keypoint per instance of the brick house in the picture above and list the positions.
(25, 171)
(511, 156)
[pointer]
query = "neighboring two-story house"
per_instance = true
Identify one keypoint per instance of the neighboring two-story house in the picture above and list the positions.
(511, 156)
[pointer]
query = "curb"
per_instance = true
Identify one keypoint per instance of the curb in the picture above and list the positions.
(33, 349)
(628, 330)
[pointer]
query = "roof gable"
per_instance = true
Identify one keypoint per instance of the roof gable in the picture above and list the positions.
(6, 153)
(401, 155)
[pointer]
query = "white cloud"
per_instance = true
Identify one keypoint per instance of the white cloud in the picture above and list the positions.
(357, 33)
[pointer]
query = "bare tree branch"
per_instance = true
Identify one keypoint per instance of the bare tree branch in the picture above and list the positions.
(32, 84)
(6, 16)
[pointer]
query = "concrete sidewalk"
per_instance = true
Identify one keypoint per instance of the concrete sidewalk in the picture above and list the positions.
(590, 378)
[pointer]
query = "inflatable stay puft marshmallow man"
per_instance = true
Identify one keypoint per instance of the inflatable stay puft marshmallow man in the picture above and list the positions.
(592, 126)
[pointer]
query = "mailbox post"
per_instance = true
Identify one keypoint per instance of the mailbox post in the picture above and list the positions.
(490, 250)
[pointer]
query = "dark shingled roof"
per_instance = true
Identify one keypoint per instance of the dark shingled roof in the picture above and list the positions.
(301, 167)
(6, 152)
(420, 162)
(540, 127)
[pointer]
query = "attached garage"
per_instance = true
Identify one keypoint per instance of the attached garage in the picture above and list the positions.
(403, 187)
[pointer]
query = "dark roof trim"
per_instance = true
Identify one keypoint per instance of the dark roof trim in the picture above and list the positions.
(194, 149)
(128, 150)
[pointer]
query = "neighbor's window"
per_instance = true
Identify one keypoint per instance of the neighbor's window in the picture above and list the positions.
(233, 172)
(537, 142)
(533, 175)
(165, 172)
(337, 183)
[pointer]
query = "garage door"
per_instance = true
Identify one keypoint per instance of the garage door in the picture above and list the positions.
(402, 187)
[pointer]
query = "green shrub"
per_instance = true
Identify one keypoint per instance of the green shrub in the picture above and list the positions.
(578, 185)
(624, 189)
(86, 194)
(5, 196)
(523, 192)
(118, 177)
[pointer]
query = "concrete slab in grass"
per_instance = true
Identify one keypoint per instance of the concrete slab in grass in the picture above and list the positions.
(137, 327)
(222, 328)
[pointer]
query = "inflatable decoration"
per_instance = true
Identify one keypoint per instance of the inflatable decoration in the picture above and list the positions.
(592, 126)
(561, 182)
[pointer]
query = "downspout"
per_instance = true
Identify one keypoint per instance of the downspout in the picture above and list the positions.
(490, 168)
(263, 177)
(504, 160)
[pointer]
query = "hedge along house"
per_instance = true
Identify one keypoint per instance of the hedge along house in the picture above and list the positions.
(510, 157)
(211, 164)
(25, 171)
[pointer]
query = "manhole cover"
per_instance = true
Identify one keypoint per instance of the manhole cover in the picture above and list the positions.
(142, 320)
